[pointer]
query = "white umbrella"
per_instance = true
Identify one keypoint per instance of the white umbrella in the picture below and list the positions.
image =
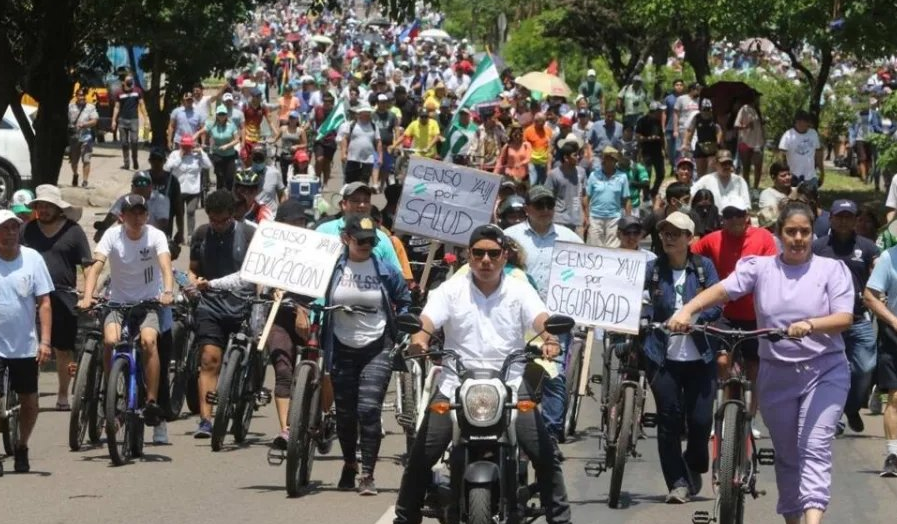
(548, 85)
(436, 34)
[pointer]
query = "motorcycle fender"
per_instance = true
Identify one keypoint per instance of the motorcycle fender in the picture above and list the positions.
(456, 429)
(482, 472)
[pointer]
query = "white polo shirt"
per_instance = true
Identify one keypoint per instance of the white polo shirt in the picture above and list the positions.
(483, 330)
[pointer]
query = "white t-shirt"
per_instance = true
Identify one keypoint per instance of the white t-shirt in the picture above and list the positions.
(359, 286)
(752, 134)
(133, 264)
(801, 152)
(736, 191)
(483, 330)
(681, 348)
(21, 281)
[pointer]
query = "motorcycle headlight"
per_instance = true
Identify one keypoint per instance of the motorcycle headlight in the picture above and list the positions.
(482, 404)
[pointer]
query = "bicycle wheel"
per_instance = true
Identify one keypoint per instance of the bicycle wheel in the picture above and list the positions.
(177, 368)
(10, 428)
(731, 496)
(627, 408)
(245, 392)
(96, 409)
(574, 401)
(304, 400)
(191, 372)
(409, 410)
(118, 422)
(226, 401)
(79, 417)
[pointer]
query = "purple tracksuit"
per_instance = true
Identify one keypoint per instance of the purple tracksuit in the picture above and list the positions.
(802, 385)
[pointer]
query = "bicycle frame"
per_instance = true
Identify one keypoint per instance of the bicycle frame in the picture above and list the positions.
(129, 350)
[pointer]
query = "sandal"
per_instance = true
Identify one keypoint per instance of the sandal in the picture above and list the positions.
(63, 406)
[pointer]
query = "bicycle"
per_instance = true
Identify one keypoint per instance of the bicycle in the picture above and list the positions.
(578, 364)
(623, 387)
(240, 392)
(400, 164)
(88, 410)
(9, 413)
(736, 458)
(183, 369)
(126, 388)
(311, 427)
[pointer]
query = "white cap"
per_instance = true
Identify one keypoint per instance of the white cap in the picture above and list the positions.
(382, 98)
(7, 215)
(591, 72)
(227, 97)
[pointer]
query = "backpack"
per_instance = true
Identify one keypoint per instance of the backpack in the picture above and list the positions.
(654, 283)
(352, 130)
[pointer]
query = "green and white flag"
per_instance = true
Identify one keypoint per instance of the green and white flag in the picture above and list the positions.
(459, 140)
(485, 86)
(333, 120)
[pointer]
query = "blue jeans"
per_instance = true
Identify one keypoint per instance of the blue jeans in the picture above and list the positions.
(554, 394)
(537, 174)
(859, 342)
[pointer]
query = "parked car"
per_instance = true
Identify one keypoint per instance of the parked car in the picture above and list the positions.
(15, 158)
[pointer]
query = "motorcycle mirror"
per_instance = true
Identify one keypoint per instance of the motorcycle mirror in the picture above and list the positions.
(559, 324)
(409, 323)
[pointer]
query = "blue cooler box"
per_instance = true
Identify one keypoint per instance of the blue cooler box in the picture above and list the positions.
(304, 188)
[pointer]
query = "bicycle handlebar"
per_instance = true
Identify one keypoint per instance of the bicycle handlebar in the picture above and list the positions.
(726, 335)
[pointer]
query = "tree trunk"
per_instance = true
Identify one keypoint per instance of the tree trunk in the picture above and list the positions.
(697, 49)
(825, 67)
(154, 104)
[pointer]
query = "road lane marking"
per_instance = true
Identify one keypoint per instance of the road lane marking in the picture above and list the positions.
(387, 516)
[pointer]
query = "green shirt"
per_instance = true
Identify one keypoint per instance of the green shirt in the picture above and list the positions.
(638, 177)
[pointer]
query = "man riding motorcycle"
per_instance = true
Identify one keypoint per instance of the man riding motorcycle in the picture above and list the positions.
(485, 317)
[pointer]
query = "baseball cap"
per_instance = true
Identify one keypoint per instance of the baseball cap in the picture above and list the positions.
(655, 106)
(565, 121)
(187, 141)
(221, 109)
(382, 98)
(21, 201)
(363, 107)
(290, 210)
(141, 179)
(584, 113)
(724, 155)
(679, 220)
(256, 92)
(537, 193)
(591, 72)
(464, 110)
(360, 227)
(157, 152)
(227, 97)
(488, 232)
(686, 160)
(294, 114)
(839, 206)
(7, 215)
(350, 189)
(738, 204)
(611, 151)
(629, 222)
(706, 104)
(132, 201)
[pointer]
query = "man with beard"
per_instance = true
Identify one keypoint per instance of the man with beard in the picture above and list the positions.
(57, 236)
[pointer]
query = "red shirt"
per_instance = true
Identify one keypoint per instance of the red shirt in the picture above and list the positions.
(725, 250)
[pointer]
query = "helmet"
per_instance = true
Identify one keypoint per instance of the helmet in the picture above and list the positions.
(512, 203)
(247, 177)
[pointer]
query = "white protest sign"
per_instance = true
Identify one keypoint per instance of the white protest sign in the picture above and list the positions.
(291, 258)
(596, 286)
(445, 201)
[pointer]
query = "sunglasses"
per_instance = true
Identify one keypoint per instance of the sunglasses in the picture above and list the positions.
(479, 253)
(366, 241)
(729, 214)
(543, 205)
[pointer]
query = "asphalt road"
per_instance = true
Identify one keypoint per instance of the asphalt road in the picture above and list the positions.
(186, 482)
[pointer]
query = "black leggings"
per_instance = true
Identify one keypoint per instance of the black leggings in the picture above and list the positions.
(282, 343)
(360, 378)
(655, 163)
(225, 171)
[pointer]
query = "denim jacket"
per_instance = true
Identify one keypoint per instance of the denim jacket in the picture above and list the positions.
(393, 288)
(661, 305)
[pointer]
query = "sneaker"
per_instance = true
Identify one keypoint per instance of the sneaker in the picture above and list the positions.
(366, 486)
(160, 433)
(839, 429)
(347, 478)
(204, 430)
(695, 482)
(855, 422)
(126, 166)
(21, 464)
(84, 184)
(152, 413)
(678, 495)
(136, 165)
(280, 441)
(890, 467)
(875, 404)
(75, 180)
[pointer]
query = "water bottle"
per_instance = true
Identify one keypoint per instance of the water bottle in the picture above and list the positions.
(181, 278)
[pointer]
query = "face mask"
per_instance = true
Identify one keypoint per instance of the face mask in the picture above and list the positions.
(685, 208)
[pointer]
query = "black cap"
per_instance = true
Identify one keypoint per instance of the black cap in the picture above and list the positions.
(157, 152)
(537, 193)
(629, 222)
(360, 227)
(488, 232)
(132, 201)
(289, 211)
(141, 179)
